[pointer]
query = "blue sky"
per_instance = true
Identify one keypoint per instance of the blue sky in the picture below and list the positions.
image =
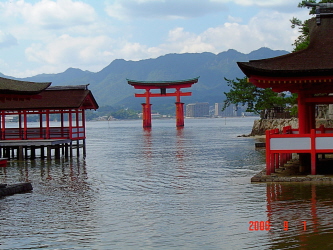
(49, 36)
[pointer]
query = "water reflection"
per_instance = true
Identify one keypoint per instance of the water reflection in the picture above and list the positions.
(59, 209)
(161, 189)
(180, 146)
(166, 159)
(301, 215)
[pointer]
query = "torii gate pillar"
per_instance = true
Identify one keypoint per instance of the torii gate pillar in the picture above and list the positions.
(162, 86)
(146, 115)
(179, 114)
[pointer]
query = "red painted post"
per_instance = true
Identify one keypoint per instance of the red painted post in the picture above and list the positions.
(77, 127)
(62, 123)
(313, 152)
(84, 122)
(25, 125)
(146, 110)
(146, 115)
(302, 112)
(3, 127)
(41, 124)
(268, 153)
(47, 124)
(179, 114)
(20, 131)
(70, 124)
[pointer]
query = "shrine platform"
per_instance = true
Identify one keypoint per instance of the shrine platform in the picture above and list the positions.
(287, 167)
(24, 149)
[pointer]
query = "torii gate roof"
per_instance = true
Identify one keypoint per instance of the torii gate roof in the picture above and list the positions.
(163, 84)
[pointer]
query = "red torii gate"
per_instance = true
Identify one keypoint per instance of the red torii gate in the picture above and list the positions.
(162, 85)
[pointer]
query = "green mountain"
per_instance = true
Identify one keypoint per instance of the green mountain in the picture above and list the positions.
(110, 87)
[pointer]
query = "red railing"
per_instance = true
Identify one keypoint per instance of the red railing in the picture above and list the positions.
(281, 145)
(43, 133)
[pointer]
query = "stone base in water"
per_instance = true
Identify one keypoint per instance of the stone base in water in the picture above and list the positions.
(276, 177)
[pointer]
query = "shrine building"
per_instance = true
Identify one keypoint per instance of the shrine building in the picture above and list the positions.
(162, 86)
(309, 73)
(22, 101)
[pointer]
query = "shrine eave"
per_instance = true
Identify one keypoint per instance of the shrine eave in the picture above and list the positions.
(60, 97)
(314, 61)
(16, 87)
(250, 68)
(163, 84)
(313, 84)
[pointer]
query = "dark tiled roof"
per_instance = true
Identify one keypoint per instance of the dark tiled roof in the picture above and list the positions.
(316, 60)
(162, 83)
(9, 86)
(55, 98)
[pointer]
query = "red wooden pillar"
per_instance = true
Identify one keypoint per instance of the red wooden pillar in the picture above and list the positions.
(313, 152)
(311, 116)
(62, 123)
(268, 153)
(179, 114)
(25, 125)
(3, 125)
(70, 125)
(302, 114)
(179, 110)
(146, 115)
(83, 117)
(41, 124)
(20, 130)
(77, 122)
(47, 124)
(146, 110)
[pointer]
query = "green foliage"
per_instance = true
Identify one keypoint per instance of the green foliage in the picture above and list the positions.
(115, 112)
(125, 114)
(256, 99)
(303, 40)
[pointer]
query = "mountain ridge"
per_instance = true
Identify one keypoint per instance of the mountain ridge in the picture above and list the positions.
(110, 87)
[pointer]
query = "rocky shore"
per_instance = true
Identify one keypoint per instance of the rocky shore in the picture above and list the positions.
(260, 126)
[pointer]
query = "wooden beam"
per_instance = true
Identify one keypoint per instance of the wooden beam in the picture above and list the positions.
(167, 94)
(319, 99)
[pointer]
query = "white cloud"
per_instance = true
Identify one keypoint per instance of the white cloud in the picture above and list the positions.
(162, 9)
(235, 19)
(261, 31)
(7, 40)
(260, 3)
(94, 52)
(67, 51)
(58, 34)
(49, 14)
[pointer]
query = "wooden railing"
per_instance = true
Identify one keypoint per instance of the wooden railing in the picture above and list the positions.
(280, 145)
(43, 133)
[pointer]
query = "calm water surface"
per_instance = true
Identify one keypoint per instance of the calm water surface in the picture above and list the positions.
(162, 189)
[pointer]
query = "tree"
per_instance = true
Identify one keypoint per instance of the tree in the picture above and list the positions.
(125, 114)
(303, 39)
(256, 99)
